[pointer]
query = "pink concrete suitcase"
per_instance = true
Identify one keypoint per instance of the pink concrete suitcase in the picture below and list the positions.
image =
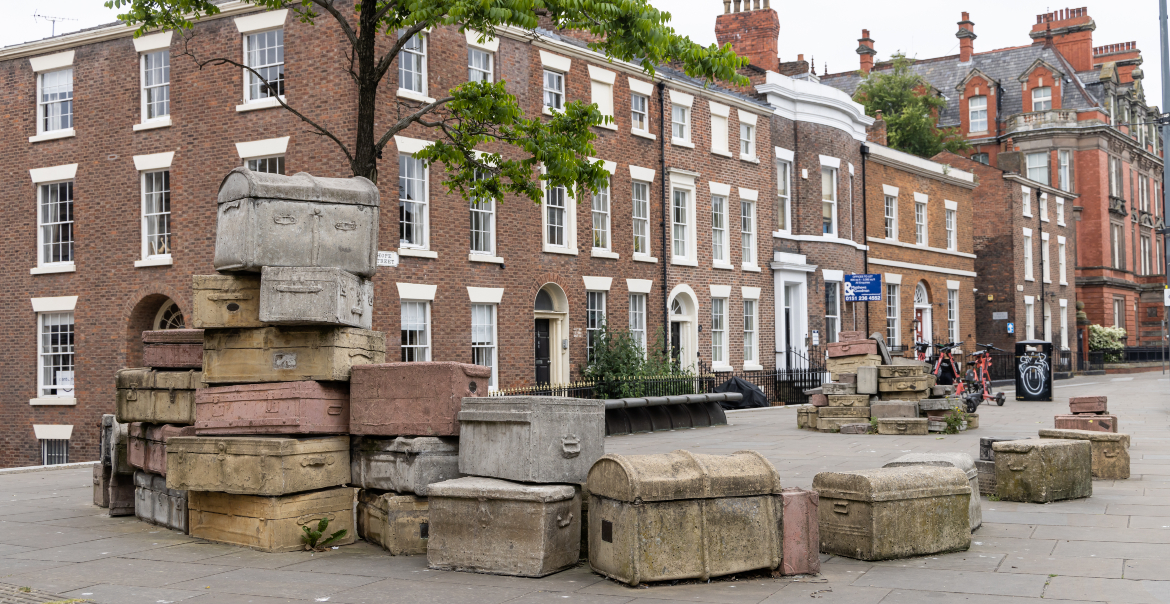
(851, 336)
(1097, 423)
(274, 408)
(1088, 404)
(173, 349)
(802, 536)
(148, 445)
(818, 400)
(854, 348)
(412, 399)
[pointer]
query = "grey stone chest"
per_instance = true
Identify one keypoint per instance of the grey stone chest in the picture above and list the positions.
(961, 461)
(276, 220)
(403, 465)
(531, 438)
(315, 296)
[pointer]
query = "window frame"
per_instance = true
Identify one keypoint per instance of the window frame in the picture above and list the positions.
(637, 311)
(981, 111)
(720, 244)
(488, 215)
(1064, 169)
(421, 54)
(1026, 198)
(1145, 249)
(950, 217)
(644, 113)
(831, 203)
(605, 215)
(643, 205)
(248, 75)
(144, 88)
(43, 105)
(921, 223)
(488, 73)
(832, 319)
(1060, 211)
(894, 320)
(890, 216)
(1043, 206)
(747, 233)
(677, 110)
(1029, 166)
(784, 196)
(953, 315)
(1062, 253)
(1045, 258)
(594, 320)
(683, 227)
(1064, 324)
(424, 203)
(278, 158)
(143, 178)
(425, 347)
(557, 93)
(548, 225)
(44, 387)
(719, 351)
(1029, 271)
(42, 188)
(49, 443)
(1030, 320)
(1042, 95)
(491, 347)
(747, 141)
(750, 331)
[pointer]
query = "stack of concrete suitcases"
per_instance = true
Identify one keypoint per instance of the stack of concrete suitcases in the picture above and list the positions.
(1087, 413)
(270, 451)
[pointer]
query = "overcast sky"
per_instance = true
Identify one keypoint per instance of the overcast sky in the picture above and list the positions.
(918, 27)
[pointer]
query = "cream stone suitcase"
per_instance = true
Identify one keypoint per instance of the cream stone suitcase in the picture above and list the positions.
(271, 524)
(398, 523)
(1110, 450)
(226, 301)
(903, 384)
(1040, 471)
(901, 371)
(903, 425)
(276, 220)
(683, 516)
(890, 513)
(156, 397)
(806, 417)
(848, 400)
(961, 461)
(288, 354)
(854, 412)
(257, 465)
(297, 295)
(500, 527)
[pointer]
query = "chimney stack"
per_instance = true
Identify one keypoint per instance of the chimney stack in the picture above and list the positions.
(966, 38)
(752, 32)
(865, 49)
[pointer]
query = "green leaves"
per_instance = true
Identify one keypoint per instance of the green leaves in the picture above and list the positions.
(312, 538)
(910, 106)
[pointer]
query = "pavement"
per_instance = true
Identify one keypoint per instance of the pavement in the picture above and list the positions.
(1111, 547)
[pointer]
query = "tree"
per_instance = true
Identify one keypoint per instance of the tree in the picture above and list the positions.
(909, 109)
(475, 113)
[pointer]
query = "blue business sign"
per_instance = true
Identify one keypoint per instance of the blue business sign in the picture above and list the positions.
(863, 288)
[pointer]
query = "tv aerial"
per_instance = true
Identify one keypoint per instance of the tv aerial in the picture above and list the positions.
(53, 20)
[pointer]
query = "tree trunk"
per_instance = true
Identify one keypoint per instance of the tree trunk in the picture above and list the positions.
(365, 160)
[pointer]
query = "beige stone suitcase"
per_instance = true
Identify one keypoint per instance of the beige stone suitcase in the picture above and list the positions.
(855, 412)
(398, 523)
(271, 524)
(500, 527)
(901, 371)
(288, 354)
(841, 365)
(257, 465)
(838, 388)
(833, 424)
(156, 397)
(101, 485)
(904, 395)
(902, 425)
(683, 516)
(226, 301)
(961, 461)
(890, 513)
(806, 417)
(986, 476)
(903, 384)
(1110, 451)
(1044, 470)
(848, 400)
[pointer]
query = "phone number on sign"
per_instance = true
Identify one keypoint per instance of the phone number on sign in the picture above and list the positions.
(863, 298)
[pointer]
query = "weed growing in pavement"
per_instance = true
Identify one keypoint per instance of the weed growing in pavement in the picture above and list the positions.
(312, 538)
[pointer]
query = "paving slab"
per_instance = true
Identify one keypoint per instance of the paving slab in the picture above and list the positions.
(103, 548)
(284, 584)
(397, 591)
(1116, 590)
(119, 571)
(125, 594)
(965, 582)
(827, 594)
(1106, 568)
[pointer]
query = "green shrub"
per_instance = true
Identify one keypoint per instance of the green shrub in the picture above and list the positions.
(620, 367)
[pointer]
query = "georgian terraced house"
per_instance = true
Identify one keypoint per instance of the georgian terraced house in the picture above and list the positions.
(1068, 123)
(726, 209)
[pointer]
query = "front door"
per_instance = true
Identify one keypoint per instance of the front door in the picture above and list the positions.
(676, 343)
(543, 355)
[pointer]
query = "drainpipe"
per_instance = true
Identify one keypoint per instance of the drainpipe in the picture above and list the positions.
(665, 209)
(1040, 240)
(865, 228)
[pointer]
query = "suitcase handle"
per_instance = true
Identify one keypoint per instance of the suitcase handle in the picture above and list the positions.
(299, 288)
(334, 410)
(1109, 452)
(1021, 468)
(902, 427)
(841, 507)
(218, 297)
(570, 446)
(133, 394)
(317, 461)
(563, 522)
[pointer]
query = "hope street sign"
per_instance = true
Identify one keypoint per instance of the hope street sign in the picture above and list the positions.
(863, 288)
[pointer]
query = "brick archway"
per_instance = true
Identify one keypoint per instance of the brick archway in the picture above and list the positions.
(139, 313)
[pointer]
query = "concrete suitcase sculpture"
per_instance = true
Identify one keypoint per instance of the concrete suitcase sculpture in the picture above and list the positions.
(403, 465)
(838, 388)
(148, 445)
(834, 424)
(276, 220)
(398, 523)
(806, 417)
(886, 372)
(117, 450)
(271, 524)
(101, 485)
(894, 409)
(315, 296)
(156, 504)
(838, 365)
(802, 535)
(156, 397)
(173, 349)
(851, 348)
(848, 400)
(412, 399)
(867, 380)
(903, 384)
(986, 476)
(257, 465)
(121, 497)
(961, 461)
(856, 427)
(280, 408)
(1110, 451)
(226, 301)
(854, 412)
(1040, 471)
(903, 425)
(289, 354)
(890, 513)
(709, 515)
(1096, 423)
(531, 438)
(1088, 404)
(506, 528)
(986, 453)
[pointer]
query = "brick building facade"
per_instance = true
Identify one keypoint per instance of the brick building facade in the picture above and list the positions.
(1070, 116)
(920, 225)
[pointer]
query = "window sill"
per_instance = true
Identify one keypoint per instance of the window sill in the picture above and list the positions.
(53, 268)
(1060, 224)
(722, 369)
(749, 158)
(1043, 219)
(979, 133)
(485, 258)
(751, 268)
(414, 96)
(1026, 215)
(1029, 279)
(684, 262)
(638, 258)
(157, 261)
(152, 124)
(548, 249)
(53, 135)
(678, 142)
(546, 110)
(718, 152)
(643, 134)
(53, 400)
(1063, 283)
(609, 126)
(265, 103)
(752, 367)
(417, 253)
(596, 253)
(721, 266)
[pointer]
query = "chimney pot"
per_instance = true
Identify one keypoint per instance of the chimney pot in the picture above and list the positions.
(726, 7)
(799, 57)
(754, 34)
(965, 17)
(966, 36)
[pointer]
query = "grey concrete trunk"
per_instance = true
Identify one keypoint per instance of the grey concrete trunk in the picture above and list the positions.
(961, 461)
(403, 465)
(1040, 471)
(156, 504)
(315, 296)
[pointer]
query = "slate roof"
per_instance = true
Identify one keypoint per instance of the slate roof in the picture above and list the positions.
(1004, 66)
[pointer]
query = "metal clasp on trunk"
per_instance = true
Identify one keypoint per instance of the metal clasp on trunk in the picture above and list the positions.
(841, 507)
(570, 446)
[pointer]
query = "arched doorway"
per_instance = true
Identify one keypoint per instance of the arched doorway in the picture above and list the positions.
(153, 311)
(551, 341)
(684, 339)
(923, 319)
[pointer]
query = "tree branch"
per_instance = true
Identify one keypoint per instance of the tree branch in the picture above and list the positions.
(408, 120)
(345, 26)
(388, 58)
